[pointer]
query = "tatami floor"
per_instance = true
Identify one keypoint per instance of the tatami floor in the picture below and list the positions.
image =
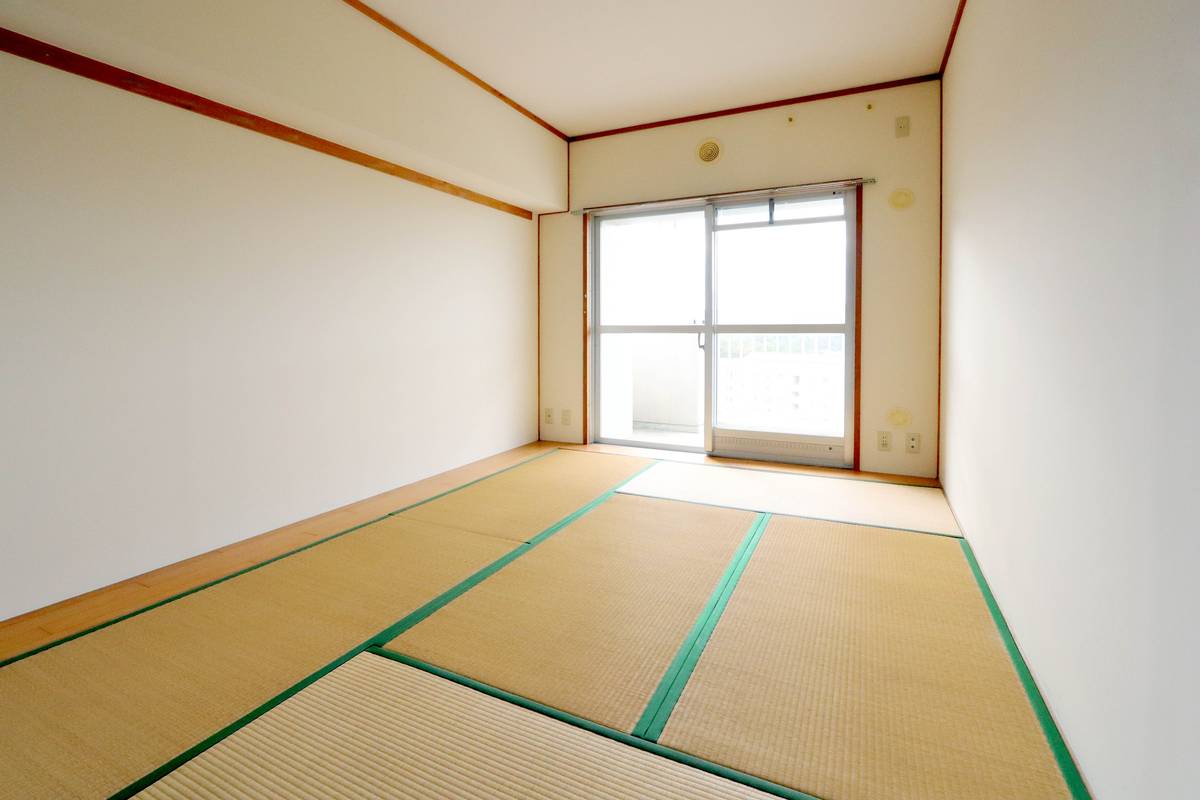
(582, 624)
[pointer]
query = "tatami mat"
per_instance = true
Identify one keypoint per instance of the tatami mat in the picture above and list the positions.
(374, 728)
(520, 503)
(856, 663)
(589, 621)
(90, 716)
(888, 505)
(851, 662)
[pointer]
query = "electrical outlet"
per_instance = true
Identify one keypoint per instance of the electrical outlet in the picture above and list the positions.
(902, 127)
(883, 440)
(912, 442)
(564, 416)
(548, 416)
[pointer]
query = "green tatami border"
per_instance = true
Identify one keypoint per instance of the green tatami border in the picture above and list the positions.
(388, 633)
(391, 632)
(678, 756)
(1062, 755)
(654, 718)
(42, 648)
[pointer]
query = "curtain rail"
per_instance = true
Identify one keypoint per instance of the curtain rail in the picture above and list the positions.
(748, 194)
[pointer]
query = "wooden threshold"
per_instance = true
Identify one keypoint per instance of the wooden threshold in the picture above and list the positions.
(44, 625)
(746, 463)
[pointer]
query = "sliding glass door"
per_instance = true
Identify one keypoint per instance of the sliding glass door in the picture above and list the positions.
(650, 302)
(728, 327)
(783, 297)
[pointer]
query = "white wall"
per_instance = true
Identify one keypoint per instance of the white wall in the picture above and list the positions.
(1070, 377)
(561, 324)
(322, 67)
(827, 140)
(206, 333)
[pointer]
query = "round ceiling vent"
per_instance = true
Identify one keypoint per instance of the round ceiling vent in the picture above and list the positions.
(709, 151)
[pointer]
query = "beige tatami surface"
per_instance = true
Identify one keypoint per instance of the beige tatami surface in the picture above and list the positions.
(858, 663)
(520, 503)
(915, 508)
(88, 717)
(374, 728)
(588, 621)
(845, 661)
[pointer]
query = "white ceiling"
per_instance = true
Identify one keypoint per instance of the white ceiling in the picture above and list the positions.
(585, 67)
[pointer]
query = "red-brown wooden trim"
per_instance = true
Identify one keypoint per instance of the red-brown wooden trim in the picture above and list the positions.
(538, 310)
(587, 361)
(725, 112)
(937, 456)
(941, 217)
(950, 40)
(375, 16)
(51, 56)
(858, 226)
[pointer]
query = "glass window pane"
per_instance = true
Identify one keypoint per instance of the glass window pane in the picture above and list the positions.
(737, 215)
(652, 388)
(652, 269)
(782, 383)
(810, 208)
(790, 274)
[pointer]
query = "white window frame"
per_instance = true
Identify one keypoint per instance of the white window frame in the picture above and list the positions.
(827, 451)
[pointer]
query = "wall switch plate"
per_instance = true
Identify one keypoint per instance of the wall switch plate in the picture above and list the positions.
(883, 440)
(903, 127)
(912, 442)
(548, 416)
(564, 416)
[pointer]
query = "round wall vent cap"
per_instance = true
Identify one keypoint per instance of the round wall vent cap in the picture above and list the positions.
(709, 151)
(902, 198)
